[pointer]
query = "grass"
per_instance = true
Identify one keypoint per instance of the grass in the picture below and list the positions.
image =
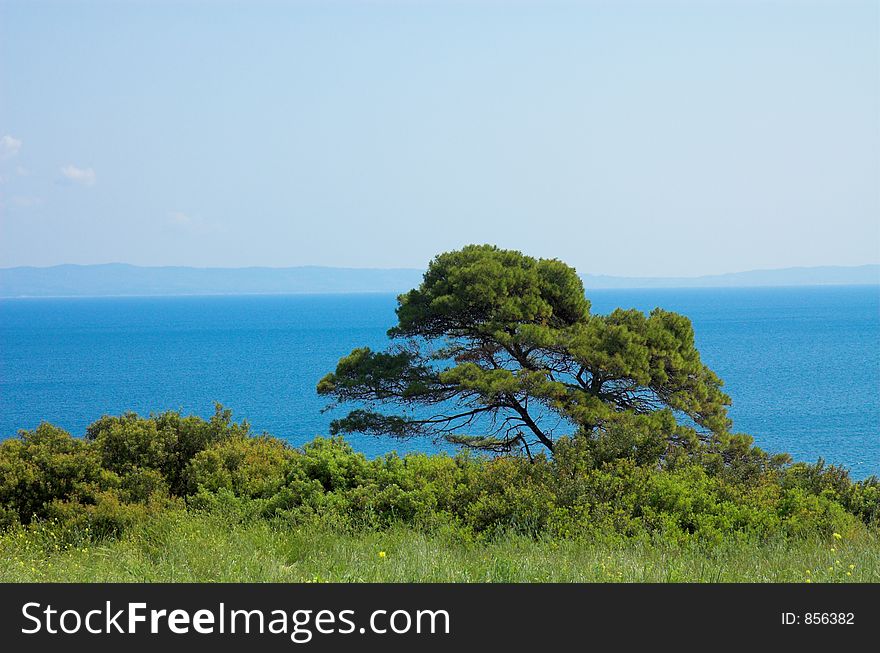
(186, 547)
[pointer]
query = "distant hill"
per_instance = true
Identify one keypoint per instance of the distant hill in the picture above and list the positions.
(833, 275)
(122, 279)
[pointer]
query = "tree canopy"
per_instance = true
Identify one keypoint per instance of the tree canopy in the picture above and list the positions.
(499, 351)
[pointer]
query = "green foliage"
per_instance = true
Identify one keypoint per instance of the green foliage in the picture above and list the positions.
(498, 351)
(484, 289)
(834, 483)
(108, 516)
(165, 443)
(246, 467)
(622, 483)
(46, 466)
(48, 475)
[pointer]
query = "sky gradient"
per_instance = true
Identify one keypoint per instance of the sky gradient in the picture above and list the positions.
(634, 139)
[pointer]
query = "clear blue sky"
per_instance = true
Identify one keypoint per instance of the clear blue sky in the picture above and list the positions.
(655, 138)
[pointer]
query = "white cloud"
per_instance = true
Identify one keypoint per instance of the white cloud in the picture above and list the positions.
(84, 176)
(9, 146)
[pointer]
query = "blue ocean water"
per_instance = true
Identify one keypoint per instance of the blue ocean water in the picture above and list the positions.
(801, 364)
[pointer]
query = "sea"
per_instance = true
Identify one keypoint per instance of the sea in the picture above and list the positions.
(801, 364)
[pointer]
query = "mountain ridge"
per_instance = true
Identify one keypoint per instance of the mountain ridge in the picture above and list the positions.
(116, 279)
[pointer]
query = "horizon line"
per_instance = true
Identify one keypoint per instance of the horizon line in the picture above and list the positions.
(416, 269)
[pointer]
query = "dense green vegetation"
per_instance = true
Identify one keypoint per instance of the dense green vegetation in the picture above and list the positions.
(174, 497)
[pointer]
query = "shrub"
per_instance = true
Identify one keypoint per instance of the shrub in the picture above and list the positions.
(510, 495)
(47, 465)
(642, 438)
(247, 467)
(863, 500)
(166, 442)
(108, 516)
(644, 478)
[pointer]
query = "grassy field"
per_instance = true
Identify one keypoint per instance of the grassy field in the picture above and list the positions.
(181, 547)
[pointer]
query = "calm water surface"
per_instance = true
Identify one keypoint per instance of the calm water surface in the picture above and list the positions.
(801, 364)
